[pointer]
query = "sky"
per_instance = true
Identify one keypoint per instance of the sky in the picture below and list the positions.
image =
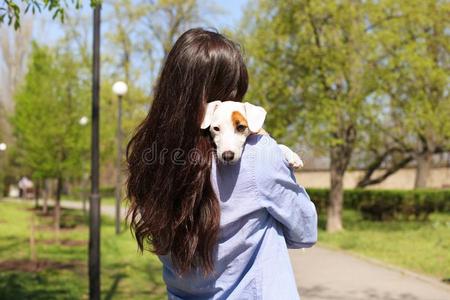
(47, 30)
(234, 9)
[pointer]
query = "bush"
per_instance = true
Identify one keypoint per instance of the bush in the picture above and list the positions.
(105, 192)
(381, 205)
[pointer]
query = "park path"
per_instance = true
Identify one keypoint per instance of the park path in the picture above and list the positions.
(106, 209)
(322, 274)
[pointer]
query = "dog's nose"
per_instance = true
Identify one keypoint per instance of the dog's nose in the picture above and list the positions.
(228, 155)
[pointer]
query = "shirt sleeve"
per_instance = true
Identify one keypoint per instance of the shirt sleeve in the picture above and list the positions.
(283, 198)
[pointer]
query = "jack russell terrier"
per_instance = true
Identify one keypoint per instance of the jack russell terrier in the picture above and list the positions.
(230, 123)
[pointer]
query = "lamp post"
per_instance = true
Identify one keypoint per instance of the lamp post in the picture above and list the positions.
(94, 200)
(119, 88)
(3, 148)
(83, 122)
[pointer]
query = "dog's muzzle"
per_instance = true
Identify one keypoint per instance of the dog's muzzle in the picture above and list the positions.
(228, 155)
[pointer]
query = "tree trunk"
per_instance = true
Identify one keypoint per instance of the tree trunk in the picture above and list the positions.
(36, 194)
(33, 252)
(83, 193)
(340, 156)
(46, 194)
(424, 164)
(59, 184)
(336, 197)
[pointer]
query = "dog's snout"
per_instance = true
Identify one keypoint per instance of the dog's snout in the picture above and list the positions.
(228, 155)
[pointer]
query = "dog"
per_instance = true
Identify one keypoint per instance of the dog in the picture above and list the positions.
(230, 123)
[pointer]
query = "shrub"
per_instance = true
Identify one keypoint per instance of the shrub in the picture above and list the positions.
(105, 192)
(381, 205)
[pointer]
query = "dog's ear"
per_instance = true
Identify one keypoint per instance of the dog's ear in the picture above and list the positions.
(210, 108)
(255, 116)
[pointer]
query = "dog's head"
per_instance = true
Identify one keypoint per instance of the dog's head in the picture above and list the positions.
(230, 123)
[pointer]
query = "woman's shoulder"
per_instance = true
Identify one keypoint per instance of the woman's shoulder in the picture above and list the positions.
(268, 156)
(262, 143)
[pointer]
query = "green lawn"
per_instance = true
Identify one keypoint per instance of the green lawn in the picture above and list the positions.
(419, 246)
(60, 271)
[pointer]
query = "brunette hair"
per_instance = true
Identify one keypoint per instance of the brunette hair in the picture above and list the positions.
(173, 207)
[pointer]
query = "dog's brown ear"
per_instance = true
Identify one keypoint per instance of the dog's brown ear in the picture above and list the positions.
(255, 116)
(209, 112)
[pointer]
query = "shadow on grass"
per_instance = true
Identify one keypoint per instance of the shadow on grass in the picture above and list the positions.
(69, 217)
(9, 243)
(21, 285)
(117, 278)
(154, 275)
(26, 265)
(123, 286)
(123, 276)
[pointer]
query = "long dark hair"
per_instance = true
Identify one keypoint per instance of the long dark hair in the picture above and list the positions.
(173, 207)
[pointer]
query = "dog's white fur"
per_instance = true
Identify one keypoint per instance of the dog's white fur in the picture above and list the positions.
(227, 137)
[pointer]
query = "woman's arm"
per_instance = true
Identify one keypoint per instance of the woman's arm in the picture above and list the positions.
(284, 199)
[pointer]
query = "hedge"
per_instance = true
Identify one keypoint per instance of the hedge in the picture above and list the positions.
(383, 205)
(105, 192)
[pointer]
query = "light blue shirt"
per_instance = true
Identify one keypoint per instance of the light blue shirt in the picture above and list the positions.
(263, 213)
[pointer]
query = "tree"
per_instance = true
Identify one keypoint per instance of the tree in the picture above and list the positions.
(414, 78)
(14, 50)
(161, 22)
(49, 105)
(167, 19)
(10, 11)
(311, 64)
(412, 94)
(365, 82)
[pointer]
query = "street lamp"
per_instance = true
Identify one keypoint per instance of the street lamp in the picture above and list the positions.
(119, 88)
(83, 122)
(94, 200)
(3, 148)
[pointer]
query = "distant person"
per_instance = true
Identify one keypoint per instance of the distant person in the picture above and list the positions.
(222, 231)
(25, 187)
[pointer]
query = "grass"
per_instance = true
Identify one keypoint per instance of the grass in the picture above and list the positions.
(60, 270)
(419, 246)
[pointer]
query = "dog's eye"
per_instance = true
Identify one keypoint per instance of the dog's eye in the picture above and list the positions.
(241, 128)
(216, 128)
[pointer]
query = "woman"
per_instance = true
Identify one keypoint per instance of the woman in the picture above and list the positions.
(221, 231)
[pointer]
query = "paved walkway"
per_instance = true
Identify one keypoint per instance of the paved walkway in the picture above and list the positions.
(326, 274)
(106, 209)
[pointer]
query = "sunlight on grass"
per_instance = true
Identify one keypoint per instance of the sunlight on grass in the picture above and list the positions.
(419, 246)
(60, 271)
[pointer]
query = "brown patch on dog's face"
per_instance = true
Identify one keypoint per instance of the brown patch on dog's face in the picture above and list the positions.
(239, 122)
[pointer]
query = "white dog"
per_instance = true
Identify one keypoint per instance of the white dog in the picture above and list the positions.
(231, 123)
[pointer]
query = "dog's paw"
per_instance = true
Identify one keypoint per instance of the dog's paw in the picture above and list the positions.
(295, 161)
(292, 158)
